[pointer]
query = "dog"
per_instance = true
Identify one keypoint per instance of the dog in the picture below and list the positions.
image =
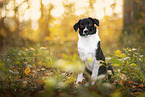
(89, 49)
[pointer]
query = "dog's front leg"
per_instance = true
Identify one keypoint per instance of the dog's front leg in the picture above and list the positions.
(79, 78)
(82, 66)
(80, 75)
(95, 72)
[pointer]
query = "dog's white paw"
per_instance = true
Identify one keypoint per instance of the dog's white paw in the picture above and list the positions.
(93, 78)
(93, 82)
(77, 82)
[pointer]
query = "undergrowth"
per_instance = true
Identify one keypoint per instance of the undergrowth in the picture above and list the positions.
(33, 72)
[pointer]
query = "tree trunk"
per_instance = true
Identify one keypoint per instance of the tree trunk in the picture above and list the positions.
(134, 11)
(134, 23)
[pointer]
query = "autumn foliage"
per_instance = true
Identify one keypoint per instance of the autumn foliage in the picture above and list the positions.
(38, 47)
(33, 72)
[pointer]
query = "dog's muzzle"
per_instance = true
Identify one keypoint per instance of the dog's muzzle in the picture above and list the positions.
(85, 31)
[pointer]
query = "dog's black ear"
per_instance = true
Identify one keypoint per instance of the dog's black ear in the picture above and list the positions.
(96, 21)
(76, 26)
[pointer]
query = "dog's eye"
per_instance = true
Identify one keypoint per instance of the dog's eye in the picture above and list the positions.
(90, 24)
(81, 26)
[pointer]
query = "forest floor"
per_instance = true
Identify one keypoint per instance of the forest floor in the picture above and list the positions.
(35, 72)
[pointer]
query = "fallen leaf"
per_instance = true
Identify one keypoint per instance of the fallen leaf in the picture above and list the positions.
(43, 69)
(39, 63)
(130, 82)
(50, 60)
(41, 81)
(35, 59)
(47, 74)
(34, 65)
(121, 81)
(141, 86)
(137, 93)
(27, 70)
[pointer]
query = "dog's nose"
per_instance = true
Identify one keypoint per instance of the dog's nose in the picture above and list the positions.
(86, 31)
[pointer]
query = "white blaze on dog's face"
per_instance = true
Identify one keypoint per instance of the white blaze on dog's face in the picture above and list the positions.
(86, 26)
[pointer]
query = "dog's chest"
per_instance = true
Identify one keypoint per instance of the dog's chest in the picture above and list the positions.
(87, 46)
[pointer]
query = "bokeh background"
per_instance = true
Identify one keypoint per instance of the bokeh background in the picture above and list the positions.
(50, 23)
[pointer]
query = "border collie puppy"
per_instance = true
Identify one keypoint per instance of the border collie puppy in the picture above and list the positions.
(89, 49)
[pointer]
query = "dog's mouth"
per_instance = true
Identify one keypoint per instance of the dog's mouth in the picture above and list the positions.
(85, 33)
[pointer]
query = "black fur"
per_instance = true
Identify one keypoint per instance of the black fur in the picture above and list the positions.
(89, 24)
(104, 67)
(99, 53)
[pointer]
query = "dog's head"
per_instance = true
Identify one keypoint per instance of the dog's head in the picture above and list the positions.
(86, 26)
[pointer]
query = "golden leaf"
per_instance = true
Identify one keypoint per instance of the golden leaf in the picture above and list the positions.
(34, 65)
(121, 81)
(50, 60)
(141, 86)
(42, 69)
(27, 70)
(133, 64)
(117, 52)
(39, 63)
(41, 81)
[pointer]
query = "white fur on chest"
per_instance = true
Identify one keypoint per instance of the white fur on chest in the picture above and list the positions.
(87, 46)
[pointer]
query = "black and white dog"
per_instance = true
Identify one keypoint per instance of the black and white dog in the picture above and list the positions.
(89, 49)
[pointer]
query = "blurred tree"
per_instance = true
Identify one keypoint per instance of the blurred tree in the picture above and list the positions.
(10, 26)
(91, 4)
(134, 12)
(90, 9)
(68, 18)
(134, 21)
(45, 19)
(2, 26)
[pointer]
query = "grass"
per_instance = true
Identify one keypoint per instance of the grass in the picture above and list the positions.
(35, 72)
